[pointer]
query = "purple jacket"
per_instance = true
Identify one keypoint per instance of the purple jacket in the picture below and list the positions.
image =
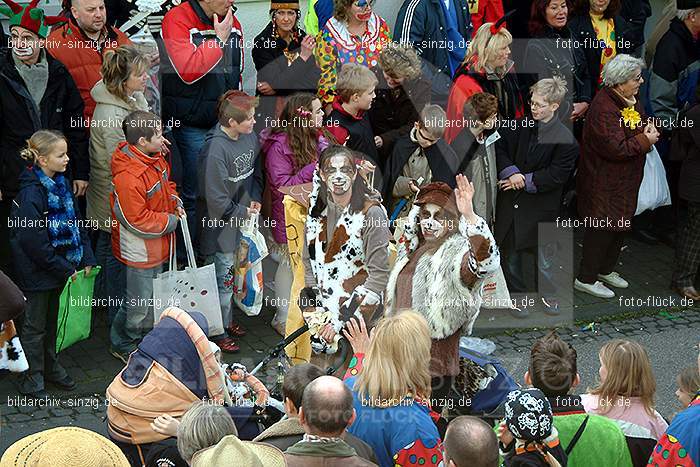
(279, 169)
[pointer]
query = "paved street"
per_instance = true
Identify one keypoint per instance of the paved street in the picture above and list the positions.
(668, 330)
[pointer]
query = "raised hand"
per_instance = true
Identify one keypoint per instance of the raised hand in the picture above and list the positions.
(464, 194)
(307, 47)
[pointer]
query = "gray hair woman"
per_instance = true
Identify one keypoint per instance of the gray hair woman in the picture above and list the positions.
(616, 139)
(202, 426)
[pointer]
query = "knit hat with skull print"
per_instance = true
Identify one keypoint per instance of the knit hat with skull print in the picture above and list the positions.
(528, 414)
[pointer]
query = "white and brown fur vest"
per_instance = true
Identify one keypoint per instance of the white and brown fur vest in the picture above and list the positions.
(447, 283)
(337, 263)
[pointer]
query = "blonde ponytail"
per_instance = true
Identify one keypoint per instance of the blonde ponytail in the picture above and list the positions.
(40, 144)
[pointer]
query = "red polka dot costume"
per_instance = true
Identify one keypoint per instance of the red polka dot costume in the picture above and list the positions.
(336, 46)
(680, 445)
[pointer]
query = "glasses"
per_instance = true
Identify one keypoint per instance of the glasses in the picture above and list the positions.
(638, 78)
(537, 105)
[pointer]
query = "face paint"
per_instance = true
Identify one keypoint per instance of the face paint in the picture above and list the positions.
(339, 175)
(23, 51)
(431, 222)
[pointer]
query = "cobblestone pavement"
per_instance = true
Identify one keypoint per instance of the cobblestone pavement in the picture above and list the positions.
(669, 331)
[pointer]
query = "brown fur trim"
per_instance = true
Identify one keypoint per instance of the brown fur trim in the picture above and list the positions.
(468, 277)
(480, 247)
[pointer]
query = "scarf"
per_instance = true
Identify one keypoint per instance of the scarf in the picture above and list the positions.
(605, 33)
(458, 44)
(62, 222)
(35, 78)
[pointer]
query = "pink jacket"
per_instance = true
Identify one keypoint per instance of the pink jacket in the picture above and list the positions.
(279, 169)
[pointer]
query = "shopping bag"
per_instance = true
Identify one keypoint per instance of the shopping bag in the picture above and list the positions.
(247, 273)
(192, 289)
(654, 191)
(495, 293)
(75, 309)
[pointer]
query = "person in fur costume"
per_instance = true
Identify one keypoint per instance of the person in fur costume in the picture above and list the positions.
(346, 248)
(443, 258)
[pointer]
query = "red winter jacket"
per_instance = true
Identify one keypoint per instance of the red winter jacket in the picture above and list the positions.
(143, 206)
(69, 45)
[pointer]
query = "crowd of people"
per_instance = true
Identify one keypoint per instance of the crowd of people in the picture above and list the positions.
(429, 159)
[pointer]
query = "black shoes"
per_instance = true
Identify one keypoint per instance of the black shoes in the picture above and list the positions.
(66, 384)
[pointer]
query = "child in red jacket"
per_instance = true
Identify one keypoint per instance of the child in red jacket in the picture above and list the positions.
(145, 212)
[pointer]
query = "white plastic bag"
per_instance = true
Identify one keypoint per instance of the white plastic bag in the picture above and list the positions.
(248, 285)
(653, 192)
(193, 289)
(495, 293)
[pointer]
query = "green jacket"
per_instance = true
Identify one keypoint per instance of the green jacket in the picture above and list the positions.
(602, 442)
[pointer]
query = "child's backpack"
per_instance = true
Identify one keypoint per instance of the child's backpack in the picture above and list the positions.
(482, 383)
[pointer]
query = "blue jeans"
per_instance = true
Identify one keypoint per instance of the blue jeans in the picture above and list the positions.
(135, 316)
(513, 263)
(112, 278)
(189, 141)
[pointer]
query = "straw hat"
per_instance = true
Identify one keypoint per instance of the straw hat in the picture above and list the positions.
(65, 446)
(232, 451)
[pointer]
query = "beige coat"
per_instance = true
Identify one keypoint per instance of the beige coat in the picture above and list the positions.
(105, 134)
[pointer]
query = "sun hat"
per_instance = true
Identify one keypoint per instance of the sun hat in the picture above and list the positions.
(232, 451)
(66, 446)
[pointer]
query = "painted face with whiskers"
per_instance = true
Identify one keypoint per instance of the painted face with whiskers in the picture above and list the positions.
(339, 174)
(432, 221)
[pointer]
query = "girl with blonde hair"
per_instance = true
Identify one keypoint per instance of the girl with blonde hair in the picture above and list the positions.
(625, 393)
(390, 380)
(48, 247)
(487, 67)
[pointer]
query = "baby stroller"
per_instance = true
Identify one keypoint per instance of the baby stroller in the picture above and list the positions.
(173, 366)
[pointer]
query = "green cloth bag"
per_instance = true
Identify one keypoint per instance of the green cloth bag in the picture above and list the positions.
(75, 309)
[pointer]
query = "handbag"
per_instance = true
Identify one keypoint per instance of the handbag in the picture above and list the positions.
(248, 286)
(654, 191)
(192, 289)
(75, 309)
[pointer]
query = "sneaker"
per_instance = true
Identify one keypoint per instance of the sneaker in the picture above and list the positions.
(123, 357)
(614, 279)
(227, 345)
(235, 330)
(551, 305)
(596, 289)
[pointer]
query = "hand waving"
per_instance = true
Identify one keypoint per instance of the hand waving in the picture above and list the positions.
(464, 193)
(355, 332)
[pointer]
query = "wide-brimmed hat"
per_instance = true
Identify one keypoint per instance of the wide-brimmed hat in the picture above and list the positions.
(232, 451)
(67, 446)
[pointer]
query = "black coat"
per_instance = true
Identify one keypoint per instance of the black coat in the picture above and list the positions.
(635, 12)
(582, 31)
(685, 145)
(61, 109)
(38, 265)
(394, 111)
(548, 156)
(546, 57)
(272, 67)
(442, 161)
